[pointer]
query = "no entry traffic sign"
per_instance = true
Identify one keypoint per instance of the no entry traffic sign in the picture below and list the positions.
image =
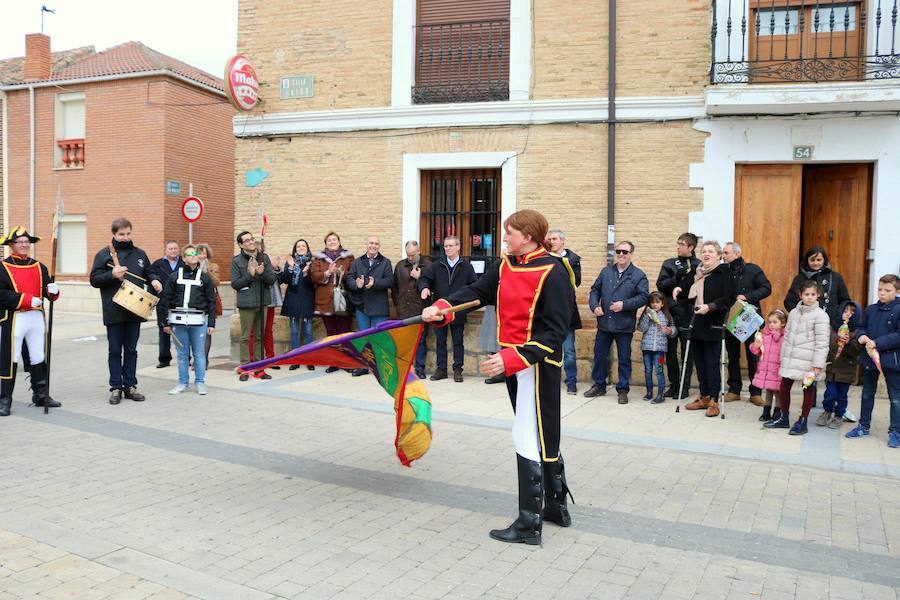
(192, 209)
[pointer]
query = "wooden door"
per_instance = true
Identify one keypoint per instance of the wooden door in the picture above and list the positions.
(767, 217)
(836, 216)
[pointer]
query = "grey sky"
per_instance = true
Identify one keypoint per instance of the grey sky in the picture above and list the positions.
(202, 33)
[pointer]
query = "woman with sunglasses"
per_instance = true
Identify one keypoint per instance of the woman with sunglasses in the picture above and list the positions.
(191, 298)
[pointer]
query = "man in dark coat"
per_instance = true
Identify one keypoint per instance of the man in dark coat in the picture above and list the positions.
(369, 279)
(163, 268)
(252, 276)
(617, 294)
(683, 263)
(24, 283)
(572, 263)
(123, 327)
(408, 300)
(751, 286)
(448, 275)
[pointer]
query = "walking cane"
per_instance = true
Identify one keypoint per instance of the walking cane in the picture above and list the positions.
(684, 362)
(721, 398)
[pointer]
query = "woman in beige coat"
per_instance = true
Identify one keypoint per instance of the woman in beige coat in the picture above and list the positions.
(803, 355)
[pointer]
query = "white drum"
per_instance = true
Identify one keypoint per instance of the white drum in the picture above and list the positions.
(187, 316)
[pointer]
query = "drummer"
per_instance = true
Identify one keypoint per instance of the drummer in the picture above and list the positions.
(123, 327)
(191, 298)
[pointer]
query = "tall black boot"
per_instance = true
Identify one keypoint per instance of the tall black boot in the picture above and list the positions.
(527, 527)
(555, 491)
(6, 392)
(39, 393)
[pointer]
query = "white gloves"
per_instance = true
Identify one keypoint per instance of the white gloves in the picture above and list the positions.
(52, 288)
(36, 302)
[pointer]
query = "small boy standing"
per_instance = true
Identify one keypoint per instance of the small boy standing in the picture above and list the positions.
(843, 362)
(880, 333)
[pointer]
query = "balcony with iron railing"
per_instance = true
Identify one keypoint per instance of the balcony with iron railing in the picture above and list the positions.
(462, 62)
(777, 41)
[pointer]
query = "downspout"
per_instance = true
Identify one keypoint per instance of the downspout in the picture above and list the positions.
(611, 140)
(4, 129)
(31, 160)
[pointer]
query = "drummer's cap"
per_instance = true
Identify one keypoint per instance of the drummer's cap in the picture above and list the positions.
(16, 233)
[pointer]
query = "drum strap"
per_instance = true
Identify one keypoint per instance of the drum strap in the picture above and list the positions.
(187, 283)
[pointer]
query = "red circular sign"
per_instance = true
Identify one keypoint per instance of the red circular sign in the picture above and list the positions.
(192, 209)
(241, 83)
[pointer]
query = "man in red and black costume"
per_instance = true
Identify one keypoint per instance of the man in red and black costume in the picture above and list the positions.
(534, 298)
(24, 283)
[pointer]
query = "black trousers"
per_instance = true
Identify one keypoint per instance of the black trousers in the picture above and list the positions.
(673, 363)
(706, 357)
(457, 330)
(123, 339)
(165, 347)
(733, 348)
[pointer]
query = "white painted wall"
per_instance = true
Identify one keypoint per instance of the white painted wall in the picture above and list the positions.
(771, 140)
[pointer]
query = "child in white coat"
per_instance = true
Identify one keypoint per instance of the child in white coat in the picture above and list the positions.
(803, 355)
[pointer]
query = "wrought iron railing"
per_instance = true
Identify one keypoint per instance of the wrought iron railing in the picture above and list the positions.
(462, 62)
(766, 41)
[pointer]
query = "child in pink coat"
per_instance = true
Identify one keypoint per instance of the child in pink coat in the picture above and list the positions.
(768, 347)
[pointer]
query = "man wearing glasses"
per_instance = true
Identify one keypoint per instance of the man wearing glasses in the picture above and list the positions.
(684, 262)
(252, 277)
(617, 294)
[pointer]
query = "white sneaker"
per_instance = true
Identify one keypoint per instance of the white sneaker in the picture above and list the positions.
(201, 388)
(177, 389)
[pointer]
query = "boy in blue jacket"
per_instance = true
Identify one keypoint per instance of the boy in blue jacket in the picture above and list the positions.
(881, 331)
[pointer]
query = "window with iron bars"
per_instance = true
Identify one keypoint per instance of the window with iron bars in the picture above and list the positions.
(462, 51)
(464, 203)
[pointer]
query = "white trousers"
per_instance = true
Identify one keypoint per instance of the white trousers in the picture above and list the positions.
(525, 426)
(29, 327)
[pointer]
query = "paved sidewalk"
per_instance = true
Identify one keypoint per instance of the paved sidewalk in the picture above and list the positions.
(289, 489)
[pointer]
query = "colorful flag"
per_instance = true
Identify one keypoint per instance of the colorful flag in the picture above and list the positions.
(57, 217)
(875, 355)
(843, 330)
(388, 350)
(265, 225)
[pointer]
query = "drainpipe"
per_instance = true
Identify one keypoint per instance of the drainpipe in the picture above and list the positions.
(611, 140)
(4, 142)
(31, 161)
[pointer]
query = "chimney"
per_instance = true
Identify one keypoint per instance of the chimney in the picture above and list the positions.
(37, 56)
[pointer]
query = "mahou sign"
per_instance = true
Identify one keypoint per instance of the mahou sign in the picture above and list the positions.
(241, 83)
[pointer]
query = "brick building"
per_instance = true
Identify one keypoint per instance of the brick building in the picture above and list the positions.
(419, 118)
(110, 130)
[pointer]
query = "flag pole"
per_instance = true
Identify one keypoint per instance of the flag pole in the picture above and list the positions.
(53, 246)
(417, 320)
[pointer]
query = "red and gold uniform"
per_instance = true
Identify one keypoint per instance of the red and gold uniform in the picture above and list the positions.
(534, 298)
(23, 286)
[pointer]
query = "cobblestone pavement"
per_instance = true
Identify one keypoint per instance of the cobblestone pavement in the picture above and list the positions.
(289, 489)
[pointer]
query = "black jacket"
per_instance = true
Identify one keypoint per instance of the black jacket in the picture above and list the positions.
(163, 271)
(443, 281)
(202, 297)
(719, 294)
(572, 264)
(101, 277)
(672, 271)
(372, 301)
(832, 290)
(300, 299)
(750, 281)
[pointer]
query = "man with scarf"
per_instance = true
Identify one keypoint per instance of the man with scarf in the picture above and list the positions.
(123, 327)
(24, 283)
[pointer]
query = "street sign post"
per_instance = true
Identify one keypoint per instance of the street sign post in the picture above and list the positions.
(192, 210)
